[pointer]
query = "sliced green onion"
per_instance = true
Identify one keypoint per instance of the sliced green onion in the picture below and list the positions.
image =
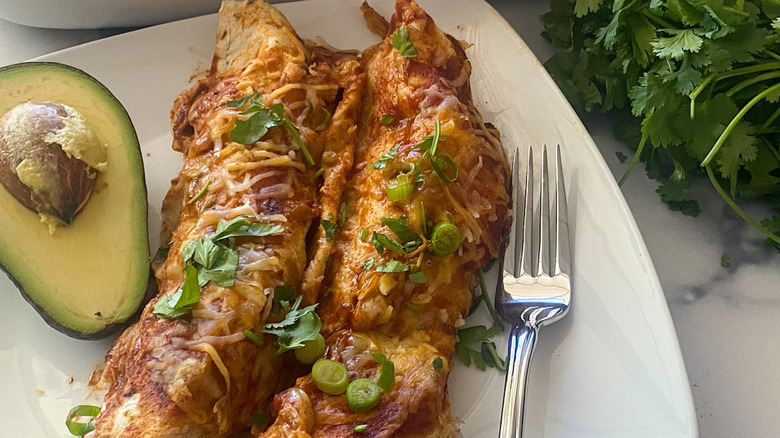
(362, 395)
(200, 193)
(330, 376)
(445, 239)
(311, 350)
(252, 336)
(360, 428)
(363, 234)
(387, 119)
(328, 116)
(399, 188)
(440, 163)
(82, 412)
(319, 172)
(387, 375)
(436, 137)
(438, 364)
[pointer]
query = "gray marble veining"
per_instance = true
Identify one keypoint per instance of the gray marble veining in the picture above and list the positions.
(727, 318)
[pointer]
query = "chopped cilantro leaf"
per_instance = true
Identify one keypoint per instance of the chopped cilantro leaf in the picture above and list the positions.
(391, 266)
(162, 252)
(283, 293)
(342, 214)
(418, 277)
(386, 157)
(400, 40)
(400, 227)
(297, 327)
(413, 308)
(259, 419)
(240, 227)
(179, 304)
(331, 229)
(261, 118)
(368, 264)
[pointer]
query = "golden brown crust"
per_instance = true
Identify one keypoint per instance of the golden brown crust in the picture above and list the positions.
(369, 312)
(200, 376)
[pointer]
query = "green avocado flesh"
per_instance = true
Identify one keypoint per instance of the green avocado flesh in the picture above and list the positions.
(89, 277)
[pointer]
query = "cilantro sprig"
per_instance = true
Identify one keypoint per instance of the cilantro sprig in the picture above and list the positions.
(210, 258)
(261, 119)
(694, 86)
(297, 327)
(475, 344)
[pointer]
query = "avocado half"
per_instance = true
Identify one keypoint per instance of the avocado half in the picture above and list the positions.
(88, 278)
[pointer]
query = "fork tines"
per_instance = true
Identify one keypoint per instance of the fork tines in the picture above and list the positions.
(535, 226)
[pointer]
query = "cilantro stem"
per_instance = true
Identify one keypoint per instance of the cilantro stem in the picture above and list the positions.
(740, 212)
(298, 140)
(722, 139)
(769, 121)
(775, 153)
(657, 20)
(736, 11)
(695, 93)
(772, 65)
(498, 326)
(635, 158)
(772, 54)
(754, 80)
(715, 77)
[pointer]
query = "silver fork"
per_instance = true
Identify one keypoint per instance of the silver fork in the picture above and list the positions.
(536, 289)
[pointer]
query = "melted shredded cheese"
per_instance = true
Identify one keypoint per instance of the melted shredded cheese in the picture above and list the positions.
(209, 349)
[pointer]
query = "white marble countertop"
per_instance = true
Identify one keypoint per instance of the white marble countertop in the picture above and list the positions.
(726, 318)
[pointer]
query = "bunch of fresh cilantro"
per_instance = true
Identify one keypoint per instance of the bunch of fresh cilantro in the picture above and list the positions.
(694, 85)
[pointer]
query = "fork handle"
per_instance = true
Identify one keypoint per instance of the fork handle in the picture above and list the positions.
(521, 347)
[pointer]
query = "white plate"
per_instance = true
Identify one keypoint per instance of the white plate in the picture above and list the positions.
(612, 368)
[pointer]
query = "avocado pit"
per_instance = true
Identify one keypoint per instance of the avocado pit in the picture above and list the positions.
(49, 159)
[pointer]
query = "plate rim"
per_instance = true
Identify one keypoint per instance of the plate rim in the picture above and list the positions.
(597, 160)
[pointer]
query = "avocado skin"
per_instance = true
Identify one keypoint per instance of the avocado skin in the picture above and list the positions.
(107, 331)
(142, 274)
